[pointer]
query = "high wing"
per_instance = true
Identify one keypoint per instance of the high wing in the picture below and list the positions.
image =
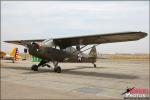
(99, 39)
(24, 42)
(89, 39)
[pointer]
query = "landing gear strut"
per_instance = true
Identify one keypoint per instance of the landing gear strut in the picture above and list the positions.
(43, 63)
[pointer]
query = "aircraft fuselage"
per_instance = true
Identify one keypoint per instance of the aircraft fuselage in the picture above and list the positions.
(55, 54)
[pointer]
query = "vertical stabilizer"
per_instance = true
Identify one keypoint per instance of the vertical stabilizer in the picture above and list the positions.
(13, 53)
(93, 54)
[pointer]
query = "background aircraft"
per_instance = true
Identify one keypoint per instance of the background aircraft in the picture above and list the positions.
(2, 54)
(14, 55)
(62, 50)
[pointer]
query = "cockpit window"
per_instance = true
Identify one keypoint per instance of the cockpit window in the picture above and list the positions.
(48, 42)
(45, 41)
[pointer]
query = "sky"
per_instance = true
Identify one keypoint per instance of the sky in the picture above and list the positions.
(22, 20)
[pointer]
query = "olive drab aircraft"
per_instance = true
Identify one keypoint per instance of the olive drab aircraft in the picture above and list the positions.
(70, 49)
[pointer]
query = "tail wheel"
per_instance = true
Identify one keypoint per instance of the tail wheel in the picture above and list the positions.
(34, 68)
(94, 65)
(13, 61)
(57, 69)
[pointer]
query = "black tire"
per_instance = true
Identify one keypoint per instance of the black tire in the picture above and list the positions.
(94, 65)
(34, 68)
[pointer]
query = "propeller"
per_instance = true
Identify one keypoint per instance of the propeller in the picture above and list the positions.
(35, 45)
(78, 47)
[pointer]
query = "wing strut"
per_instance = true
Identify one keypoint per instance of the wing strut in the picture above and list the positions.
(77, 50)
(83, 50)
(89, 48)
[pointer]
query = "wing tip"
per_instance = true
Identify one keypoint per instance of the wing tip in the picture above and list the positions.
(6, 41)
(143, 34)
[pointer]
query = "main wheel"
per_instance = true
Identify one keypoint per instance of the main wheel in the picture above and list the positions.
(57, 69)
(34, 67)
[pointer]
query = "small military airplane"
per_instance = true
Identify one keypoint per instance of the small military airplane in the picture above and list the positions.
(13, 56)
(70, 49)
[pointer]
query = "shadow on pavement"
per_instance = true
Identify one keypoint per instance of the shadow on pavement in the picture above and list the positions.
(75, 71)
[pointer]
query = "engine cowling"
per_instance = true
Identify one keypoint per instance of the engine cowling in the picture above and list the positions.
(35, 45)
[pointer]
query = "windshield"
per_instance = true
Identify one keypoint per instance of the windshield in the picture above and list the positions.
(48, 42)
(45, 41)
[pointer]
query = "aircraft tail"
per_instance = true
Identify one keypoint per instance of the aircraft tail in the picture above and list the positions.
(15, 54)
(93, 54)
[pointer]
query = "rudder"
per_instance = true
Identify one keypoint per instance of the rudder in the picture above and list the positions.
(13, 53)
(93, 54)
